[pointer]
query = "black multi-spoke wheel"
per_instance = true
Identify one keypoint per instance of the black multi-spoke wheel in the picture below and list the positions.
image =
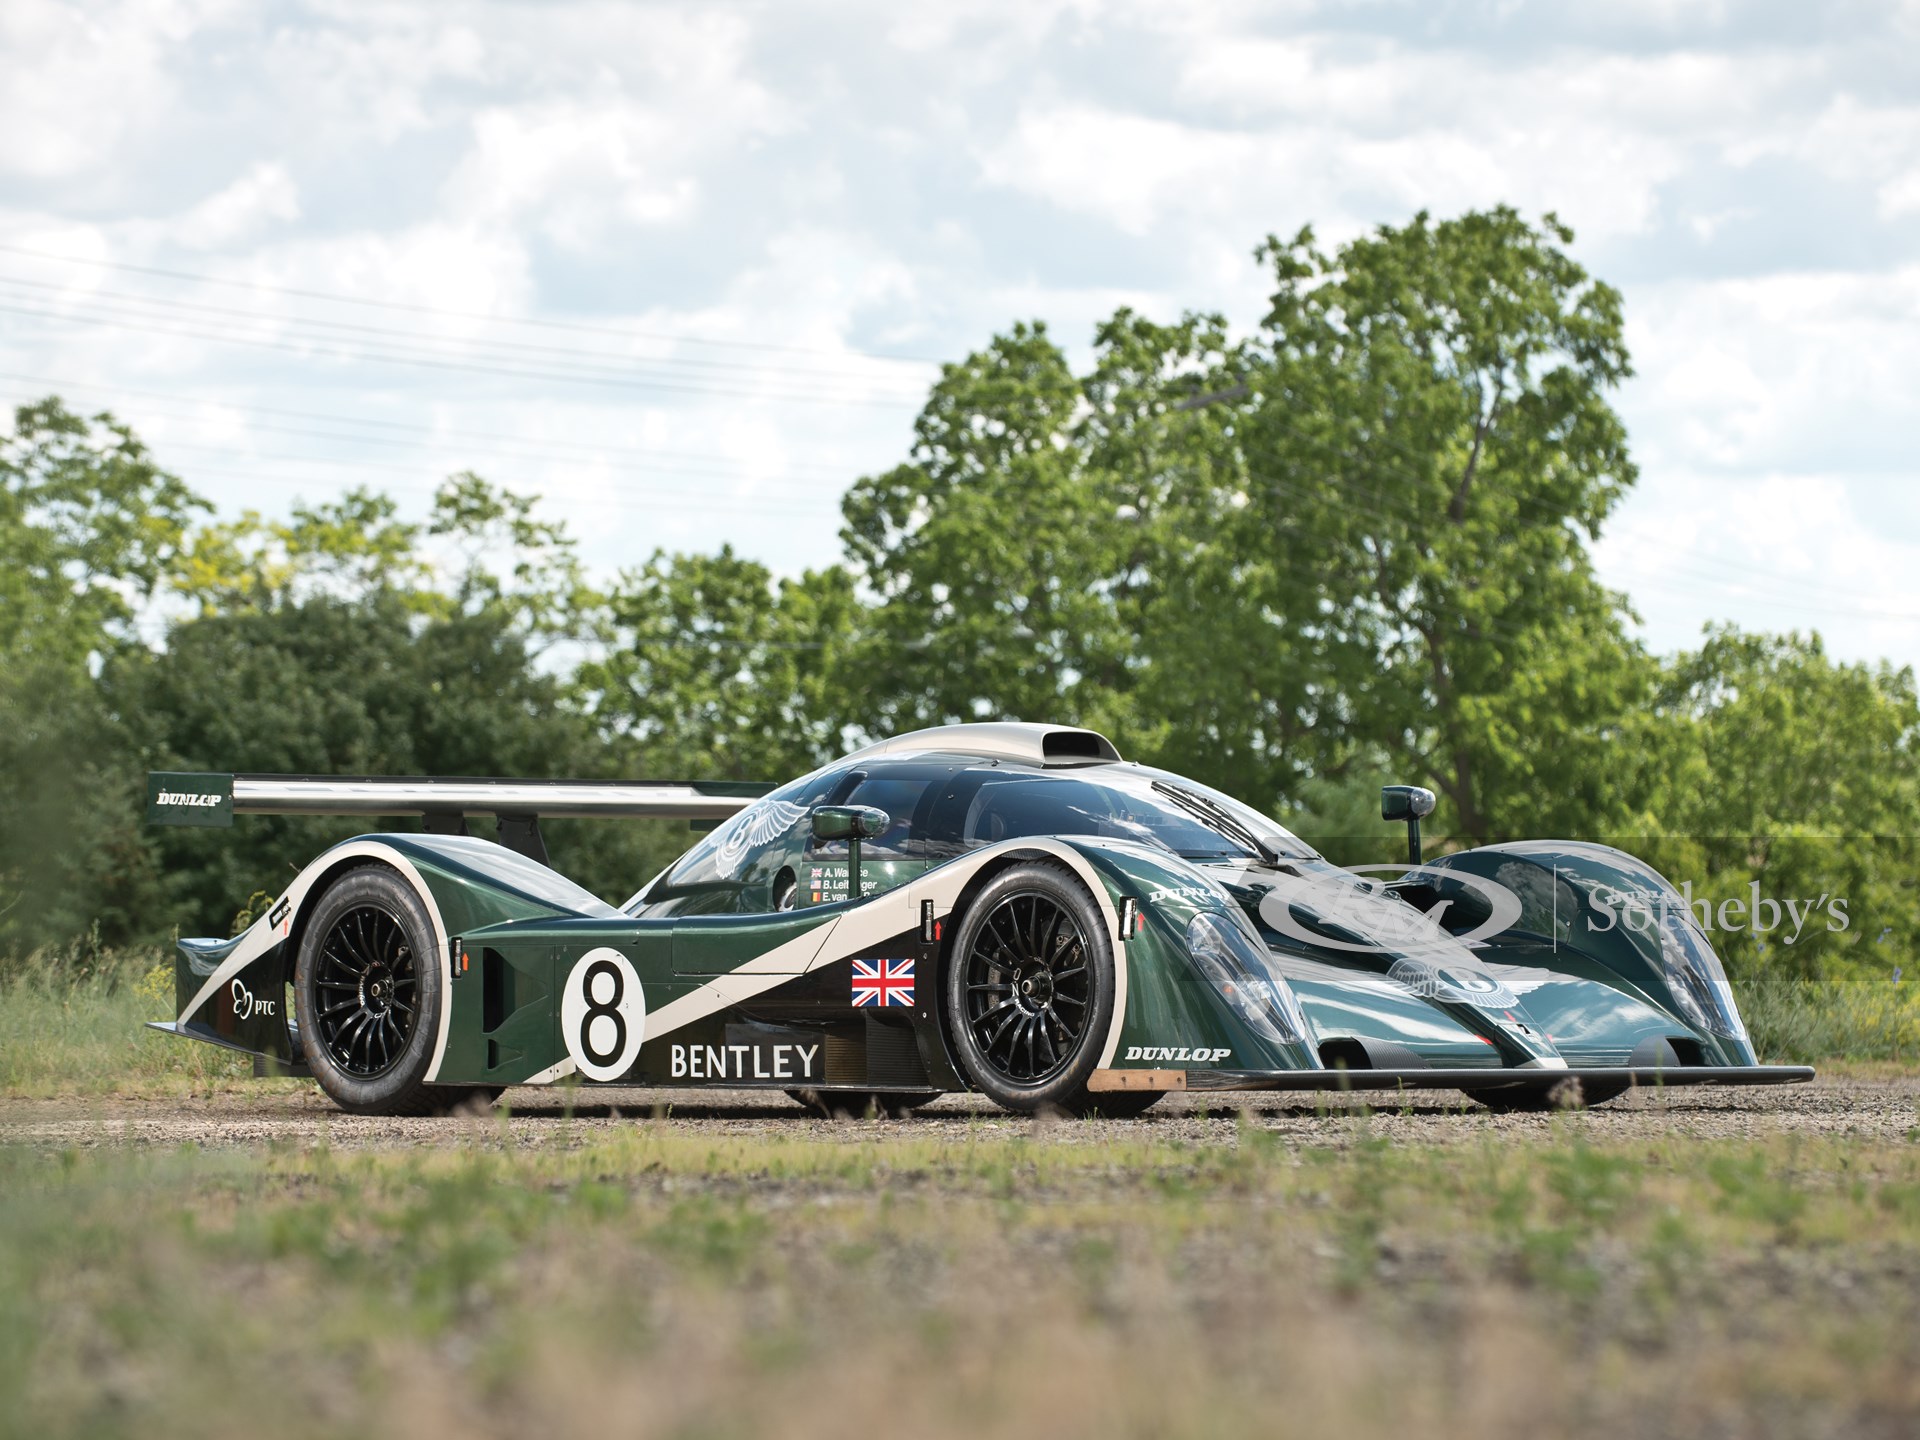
(367, 991)
(1028, 986)
(1030, 991)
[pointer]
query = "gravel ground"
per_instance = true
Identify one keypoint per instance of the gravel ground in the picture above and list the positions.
(286, 1112)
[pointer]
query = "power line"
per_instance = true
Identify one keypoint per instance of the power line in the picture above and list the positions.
(496, 349)
(437, 362)
(1668, 587)
(674, 504)
(638, 490)
(401, 305)
(545, 445)
(388, 354)
(1409, 508)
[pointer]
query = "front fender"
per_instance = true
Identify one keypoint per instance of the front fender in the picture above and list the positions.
(1175, 1017)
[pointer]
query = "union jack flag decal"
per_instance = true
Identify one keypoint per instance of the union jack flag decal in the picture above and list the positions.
(883, 982)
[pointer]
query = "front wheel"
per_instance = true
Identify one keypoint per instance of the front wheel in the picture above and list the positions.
(368, 987)
(1030, 991)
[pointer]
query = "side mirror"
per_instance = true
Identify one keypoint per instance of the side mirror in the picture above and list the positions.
(849, 822)
(1405, 802)
(1409, 803)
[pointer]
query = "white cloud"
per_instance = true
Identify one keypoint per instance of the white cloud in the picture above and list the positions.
(81, 80)
(242, 210)
(571, 169)
(881, 177)
(1775, 552)
(1900, 195)
(1791, 369)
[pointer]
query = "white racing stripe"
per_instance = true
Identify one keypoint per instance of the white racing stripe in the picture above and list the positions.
(737, 986)
(892, 913)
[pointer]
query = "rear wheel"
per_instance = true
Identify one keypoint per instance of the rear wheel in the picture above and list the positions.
(367, 984)
(1030, 993)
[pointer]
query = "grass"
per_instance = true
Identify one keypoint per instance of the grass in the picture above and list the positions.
(656, 1280)
(654, 1283)
(66, 1030)
(1807, 1021)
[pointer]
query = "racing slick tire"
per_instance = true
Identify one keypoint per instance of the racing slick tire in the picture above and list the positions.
(857, 1104)
(367, 993)
(1542, 1095)
(1029, 992)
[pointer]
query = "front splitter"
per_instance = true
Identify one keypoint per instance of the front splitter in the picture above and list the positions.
(1646, 1077)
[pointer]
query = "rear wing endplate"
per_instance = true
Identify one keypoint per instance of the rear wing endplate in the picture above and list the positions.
(197, 798)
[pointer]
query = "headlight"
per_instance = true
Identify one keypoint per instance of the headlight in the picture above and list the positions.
(1698, 982)
(1237, 967)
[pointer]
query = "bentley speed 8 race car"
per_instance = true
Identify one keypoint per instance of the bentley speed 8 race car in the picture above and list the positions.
(1011, 909)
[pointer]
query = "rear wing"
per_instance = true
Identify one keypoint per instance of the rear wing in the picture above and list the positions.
(194, 798)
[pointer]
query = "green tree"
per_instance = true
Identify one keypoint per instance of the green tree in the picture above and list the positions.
(1779, 766)
(710, 669)
(1430, 437)
(1355, 543)
(997, 558)
(333, 643)
(360, 685)
(90, 527)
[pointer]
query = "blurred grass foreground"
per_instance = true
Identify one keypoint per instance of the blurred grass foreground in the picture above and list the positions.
(983, 1283)
(997, 1278)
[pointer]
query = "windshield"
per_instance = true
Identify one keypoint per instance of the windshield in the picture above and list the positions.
(1134, 803)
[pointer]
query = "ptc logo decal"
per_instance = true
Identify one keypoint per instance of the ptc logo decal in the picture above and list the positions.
(603, 1015)
(245, 1005)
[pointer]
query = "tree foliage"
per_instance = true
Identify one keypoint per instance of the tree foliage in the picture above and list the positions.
(1346, 544)
(709, 667)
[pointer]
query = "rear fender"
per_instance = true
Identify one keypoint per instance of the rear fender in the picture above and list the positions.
(463, 883)
(252, 1008)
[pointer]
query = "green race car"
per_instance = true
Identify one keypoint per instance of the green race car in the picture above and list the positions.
(1004, 908)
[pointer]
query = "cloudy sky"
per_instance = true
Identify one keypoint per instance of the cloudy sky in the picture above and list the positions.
(684, 269)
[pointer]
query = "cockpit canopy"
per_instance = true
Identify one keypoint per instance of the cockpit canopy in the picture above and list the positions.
(941, 805)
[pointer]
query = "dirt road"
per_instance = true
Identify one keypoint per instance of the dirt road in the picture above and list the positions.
(293, 1112)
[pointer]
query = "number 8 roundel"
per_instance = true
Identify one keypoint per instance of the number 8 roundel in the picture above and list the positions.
(603, 1015)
